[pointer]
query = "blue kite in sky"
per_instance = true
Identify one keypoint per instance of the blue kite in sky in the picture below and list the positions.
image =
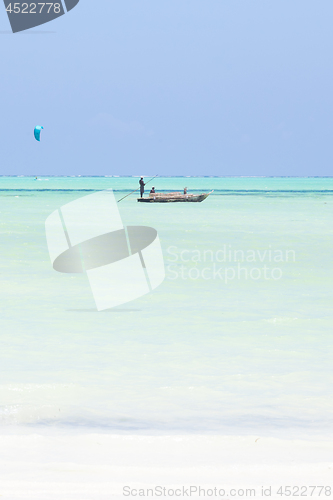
(37, 131)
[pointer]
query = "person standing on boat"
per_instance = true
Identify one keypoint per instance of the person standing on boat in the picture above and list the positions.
(142, 187)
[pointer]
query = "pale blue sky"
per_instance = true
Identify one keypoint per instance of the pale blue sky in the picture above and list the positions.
(184, 87)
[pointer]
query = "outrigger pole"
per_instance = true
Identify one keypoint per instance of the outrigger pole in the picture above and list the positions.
(138, 188)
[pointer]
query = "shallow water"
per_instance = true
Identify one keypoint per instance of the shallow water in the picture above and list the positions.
(237, 338)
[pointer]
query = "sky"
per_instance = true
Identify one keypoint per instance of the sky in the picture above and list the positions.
(177, 87)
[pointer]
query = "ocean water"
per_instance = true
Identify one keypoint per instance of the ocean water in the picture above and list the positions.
(237, 339)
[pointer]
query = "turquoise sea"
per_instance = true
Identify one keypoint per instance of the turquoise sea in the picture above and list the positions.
(237, 339)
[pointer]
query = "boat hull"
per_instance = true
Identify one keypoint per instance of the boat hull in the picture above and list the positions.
(182, 198)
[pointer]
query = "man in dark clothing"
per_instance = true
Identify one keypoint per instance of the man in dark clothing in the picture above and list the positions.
(142, 186)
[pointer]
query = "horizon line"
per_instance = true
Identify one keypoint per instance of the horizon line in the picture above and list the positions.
(174, 176)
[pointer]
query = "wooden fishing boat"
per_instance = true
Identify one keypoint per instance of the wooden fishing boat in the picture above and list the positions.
(174, 197)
